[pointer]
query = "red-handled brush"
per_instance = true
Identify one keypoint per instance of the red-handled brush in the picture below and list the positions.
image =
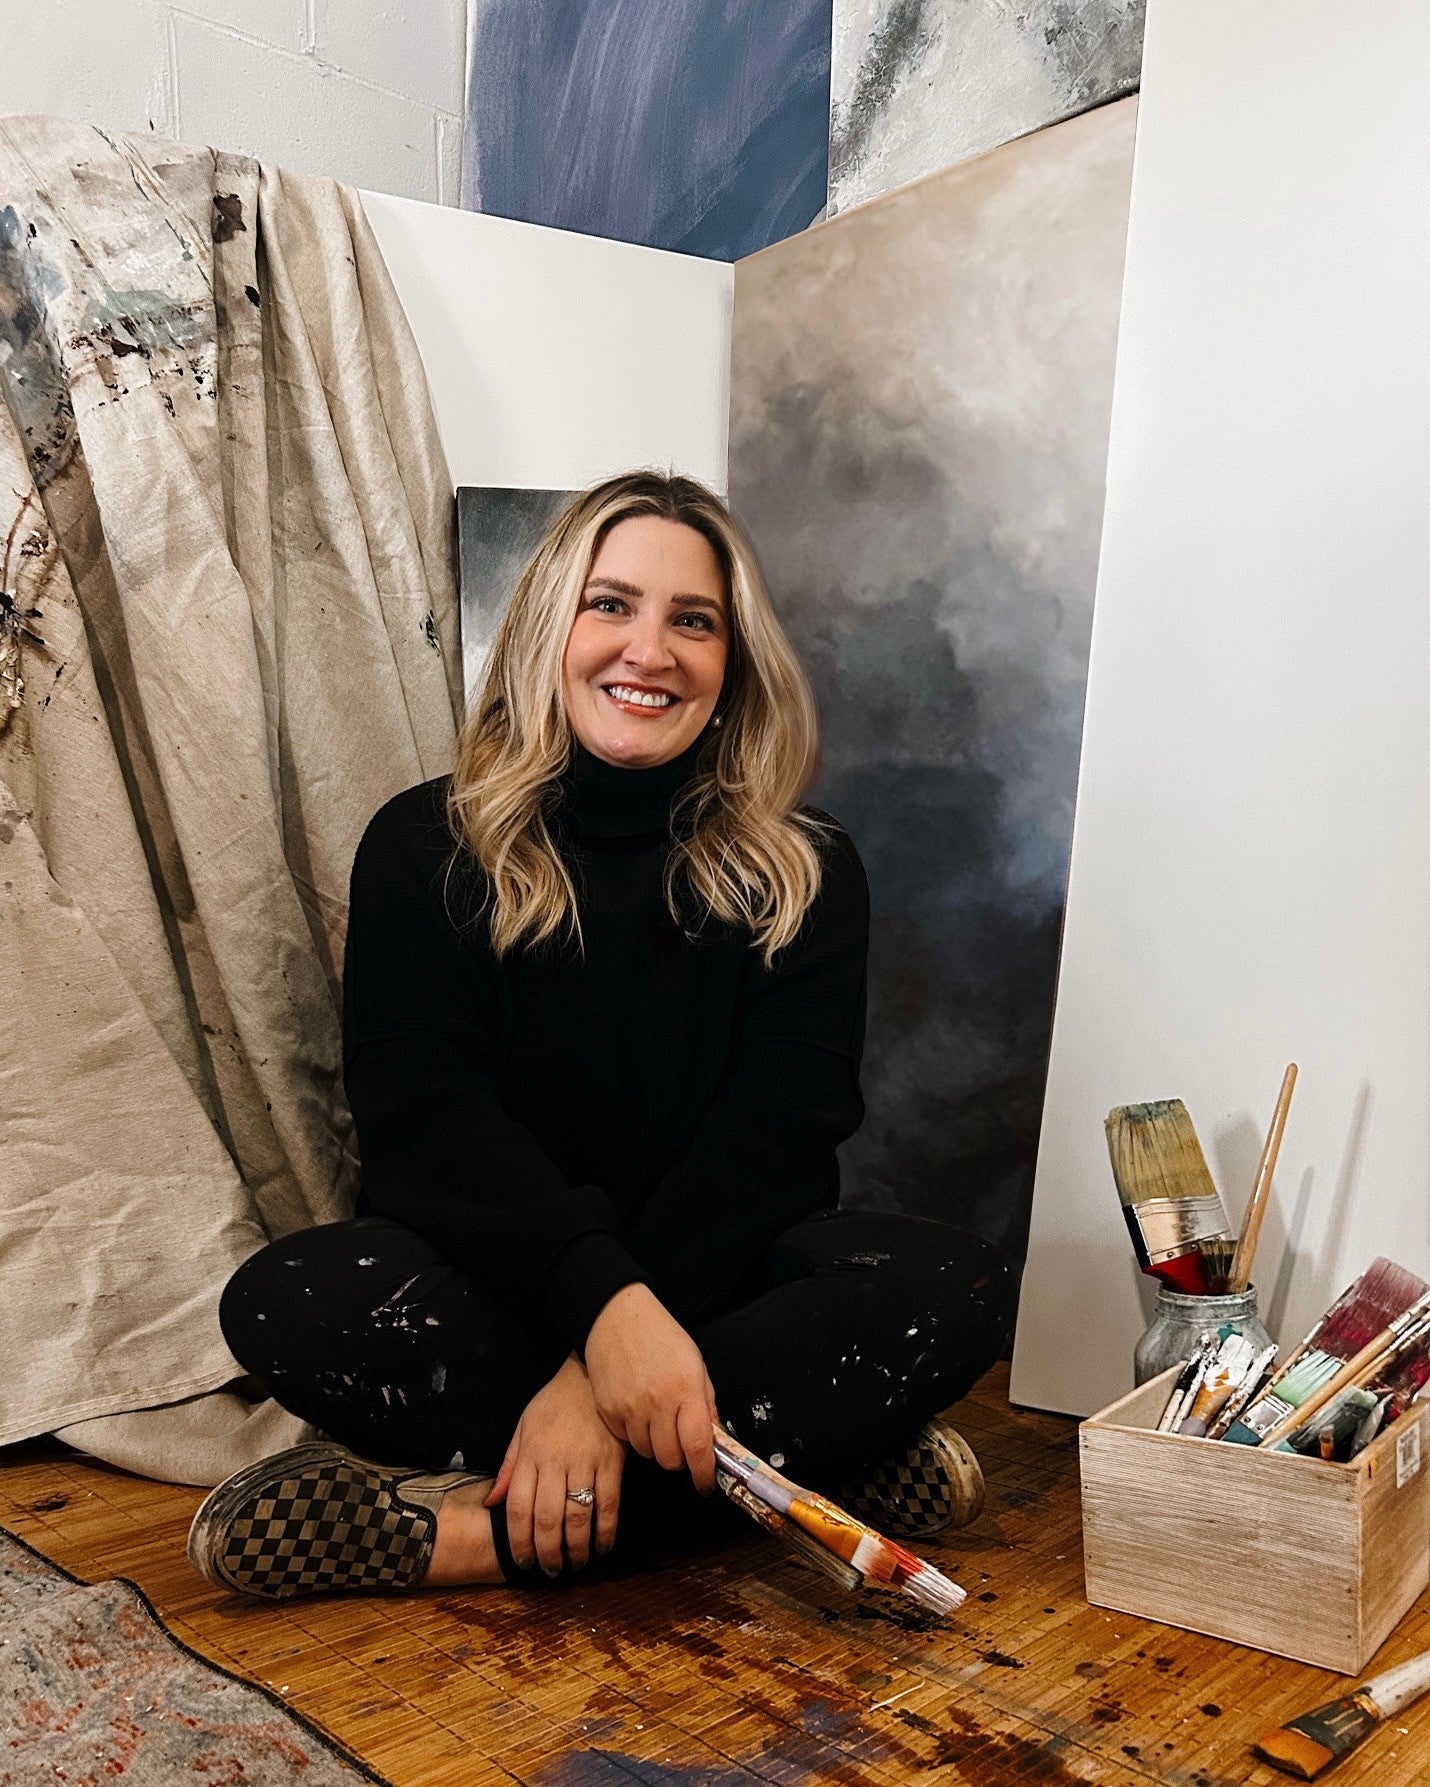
(1168, 1196)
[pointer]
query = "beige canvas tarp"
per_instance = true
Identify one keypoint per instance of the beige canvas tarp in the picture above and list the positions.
(228, 633)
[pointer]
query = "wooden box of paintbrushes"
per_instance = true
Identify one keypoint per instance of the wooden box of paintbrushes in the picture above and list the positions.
(1307, 1558)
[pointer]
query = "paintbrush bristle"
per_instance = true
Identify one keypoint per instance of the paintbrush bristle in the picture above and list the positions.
(932, 1589)
(1155, 1153)
(1217, 1251)
(1382, 1292)
(821, 1558)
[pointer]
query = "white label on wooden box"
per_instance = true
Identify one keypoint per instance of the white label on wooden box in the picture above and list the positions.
(1407, 1455)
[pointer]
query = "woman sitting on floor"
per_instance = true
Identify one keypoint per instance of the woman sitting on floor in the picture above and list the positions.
(600, 1055)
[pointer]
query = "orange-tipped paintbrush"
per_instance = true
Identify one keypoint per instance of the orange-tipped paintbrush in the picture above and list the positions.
(1306, 1747)
(879, 1562)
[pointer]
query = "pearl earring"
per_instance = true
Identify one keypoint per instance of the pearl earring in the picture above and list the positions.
(719, 720)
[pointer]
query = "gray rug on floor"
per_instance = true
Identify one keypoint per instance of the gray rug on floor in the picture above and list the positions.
(93, 1690)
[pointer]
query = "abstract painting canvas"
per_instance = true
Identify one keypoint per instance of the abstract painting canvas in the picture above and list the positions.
(698, 125)
(920, 401)
(497, 532)
(919, 85)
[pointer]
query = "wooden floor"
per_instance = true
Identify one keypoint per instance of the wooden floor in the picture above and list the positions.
(744, 1668)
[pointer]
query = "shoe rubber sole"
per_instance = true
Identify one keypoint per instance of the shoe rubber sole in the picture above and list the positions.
(935, 1484)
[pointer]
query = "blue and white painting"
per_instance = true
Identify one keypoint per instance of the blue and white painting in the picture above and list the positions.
(921, 392)
(697, 125)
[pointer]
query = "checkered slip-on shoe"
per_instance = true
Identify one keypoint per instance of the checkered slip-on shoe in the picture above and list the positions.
(935, 1483)
(318, 1518)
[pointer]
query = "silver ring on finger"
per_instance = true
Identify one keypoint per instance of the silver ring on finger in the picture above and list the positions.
(584, 1498)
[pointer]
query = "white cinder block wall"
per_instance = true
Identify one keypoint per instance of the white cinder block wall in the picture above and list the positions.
(369, 91)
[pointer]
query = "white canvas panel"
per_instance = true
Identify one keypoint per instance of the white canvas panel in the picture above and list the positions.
(1250, 877)
(555, 359)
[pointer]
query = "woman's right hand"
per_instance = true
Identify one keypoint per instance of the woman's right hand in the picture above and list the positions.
(651, 1386)
(561, 1444)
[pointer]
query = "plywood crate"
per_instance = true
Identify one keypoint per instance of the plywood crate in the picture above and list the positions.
(1311, 1560)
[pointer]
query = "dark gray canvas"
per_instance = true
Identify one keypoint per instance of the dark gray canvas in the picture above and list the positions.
(498, 529)
(920, 403)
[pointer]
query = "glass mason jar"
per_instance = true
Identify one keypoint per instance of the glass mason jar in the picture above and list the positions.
(1179, 1322)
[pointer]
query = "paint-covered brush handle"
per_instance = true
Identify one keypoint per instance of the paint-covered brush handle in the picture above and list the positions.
(1306, 1747)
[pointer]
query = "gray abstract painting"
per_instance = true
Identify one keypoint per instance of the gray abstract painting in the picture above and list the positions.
(498, 529)
(920, 402)
(697, 125)
(919, 85)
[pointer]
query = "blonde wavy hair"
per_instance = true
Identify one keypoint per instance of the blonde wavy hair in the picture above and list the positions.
(741, 848)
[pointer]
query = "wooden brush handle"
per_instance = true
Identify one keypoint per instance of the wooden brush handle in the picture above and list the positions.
(1370, 1358)
(1240, 1275)
(1412, 1329)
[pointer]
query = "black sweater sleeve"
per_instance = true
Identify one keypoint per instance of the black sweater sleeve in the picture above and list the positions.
(439, 1153)
(762, 1155)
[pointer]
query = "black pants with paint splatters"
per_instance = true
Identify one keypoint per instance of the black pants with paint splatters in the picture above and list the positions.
(866, 1324)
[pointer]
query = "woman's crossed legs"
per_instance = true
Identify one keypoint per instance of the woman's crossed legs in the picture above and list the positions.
(866, 1324)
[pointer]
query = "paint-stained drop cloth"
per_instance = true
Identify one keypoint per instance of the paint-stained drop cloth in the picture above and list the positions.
(227, 635)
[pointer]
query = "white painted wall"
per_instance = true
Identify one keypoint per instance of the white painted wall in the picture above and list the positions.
(369, 91)
(555, 359)
(1250, 876)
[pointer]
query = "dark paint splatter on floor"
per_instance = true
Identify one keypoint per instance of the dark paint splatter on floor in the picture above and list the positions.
(999, 1757)
(907, 1618)
(612, 1768)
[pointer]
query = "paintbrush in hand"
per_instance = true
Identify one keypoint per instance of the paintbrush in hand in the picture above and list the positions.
(809, 1549)
(878, 1561)
(1169, 1198)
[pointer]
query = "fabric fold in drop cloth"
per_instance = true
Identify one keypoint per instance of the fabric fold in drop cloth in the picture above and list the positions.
(228, 633)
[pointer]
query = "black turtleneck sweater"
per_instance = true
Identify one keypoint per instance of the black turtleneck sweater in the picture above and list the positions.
(560, 1125)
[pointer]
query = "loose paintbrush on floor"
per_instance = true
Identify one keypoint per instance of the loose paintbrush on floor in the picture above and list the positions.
(824, 1534)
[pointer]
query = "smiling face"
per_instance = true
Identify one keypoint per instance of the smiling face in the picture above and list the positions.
(645, 658)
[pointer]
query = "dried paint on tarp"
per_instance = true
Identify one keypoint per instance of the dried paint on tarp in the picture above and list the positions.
(227, 549)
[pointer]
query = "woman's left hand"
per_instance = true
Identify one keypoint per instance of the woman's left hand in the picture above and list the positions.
(560, 1444)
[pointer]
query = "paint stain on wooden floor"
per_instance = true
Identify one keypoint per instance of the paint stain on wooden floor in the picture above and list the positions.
(742, 1667)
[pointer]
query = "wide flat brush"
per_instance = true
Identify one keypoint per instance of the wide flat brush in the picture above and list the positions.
(1290, 1390)
(1306, 1747)
(1169, 1199)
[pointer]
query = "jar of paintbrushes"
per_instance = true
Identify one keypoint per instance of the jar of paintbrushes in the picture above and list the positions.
(1181, 1324)
(1180, 1231)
